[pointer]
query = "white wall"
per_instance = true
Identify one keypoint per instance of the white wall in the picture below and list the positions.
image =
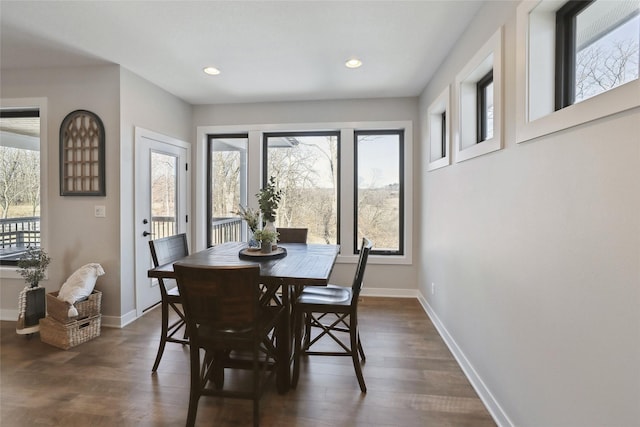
(145, 105)
(380, 279)
(75, 235)
(535, 254)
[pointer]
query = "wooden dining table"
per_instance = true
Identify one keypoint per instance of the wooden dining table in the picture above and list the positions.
(292, 267)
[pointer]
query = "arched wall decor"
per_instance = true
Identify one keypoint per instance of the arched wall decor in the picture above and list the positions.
(82, 167)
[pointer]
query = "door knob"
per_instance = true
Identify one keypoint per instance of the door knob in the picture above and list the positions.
(146, 233)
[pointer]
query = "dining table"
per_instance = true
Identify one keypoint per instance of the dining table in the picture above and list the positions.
(284, 272)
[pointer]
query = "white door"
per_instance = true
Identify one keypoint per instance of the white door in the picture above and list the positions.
(161, 203)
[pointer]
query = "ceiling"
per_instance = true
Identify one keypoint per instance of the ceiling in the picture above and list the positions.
(266, 50)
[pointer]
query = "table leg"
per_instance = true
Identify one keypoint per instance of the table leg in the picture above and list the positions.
(284, 343)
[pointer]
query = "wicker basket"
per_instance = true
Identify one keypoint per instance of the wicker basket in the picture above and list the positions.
(59, 309)
(67, 335)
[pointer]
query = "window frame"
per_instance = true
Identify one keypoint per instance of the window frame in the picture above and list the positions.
(481, 106)
(346, 129)
(209, 219)
(401, 157)
(41, 104)
(565, 52)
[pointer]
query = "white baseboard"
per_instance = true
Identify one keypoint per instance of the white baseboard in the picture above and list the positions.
(490, 402)
(119, 322)
(106, 321)
(388, 292)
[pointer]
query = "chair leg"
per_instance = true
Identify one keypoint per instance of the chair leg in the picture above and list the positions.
(360, 350)
(195, 386)
(297, 346)
(355, 348)
(307, 330)
(163, 335)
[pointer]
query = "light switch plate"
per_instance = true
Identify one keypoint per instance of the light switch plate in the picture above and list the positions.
(101, 211)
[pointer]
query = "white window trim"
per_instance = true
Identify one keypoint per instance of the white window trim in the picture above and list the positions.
(10, 271)
(347, 184)
(535, 87)
(488, 57)
(440, 105)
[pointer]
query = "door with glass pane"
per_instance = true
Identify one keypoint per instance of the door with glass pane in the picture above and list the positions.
(161, 188)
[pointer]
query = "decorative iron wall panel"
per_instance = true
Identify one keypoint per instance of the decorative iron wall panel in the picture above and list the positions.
(82, 166)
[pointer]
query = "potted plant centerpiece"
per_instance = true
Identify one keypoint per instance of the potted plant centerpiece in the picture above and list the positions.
(266, 238)
(32, 267)
(268, 201)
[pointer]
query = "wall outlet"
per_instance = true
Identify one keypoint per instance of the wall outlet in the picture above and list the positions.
(101, 211)
(433, 288)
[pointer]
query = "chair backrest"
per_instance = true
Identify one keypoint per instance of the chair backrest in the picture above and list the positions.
(292, 235)
(168, 249)
(365, 248)
(224, 298)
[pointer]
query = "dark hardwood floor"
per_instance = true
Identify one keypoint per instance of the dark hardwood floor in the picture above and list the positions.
(411, 376)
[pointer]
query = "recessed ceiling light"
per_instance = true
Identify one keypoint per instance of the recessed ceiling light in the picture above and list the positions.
(212, 71)
(353, 63)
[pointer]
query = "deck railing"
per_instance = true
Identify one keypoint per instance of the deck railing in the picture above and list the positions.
(226, 230)
(19, 232)
(163, 226)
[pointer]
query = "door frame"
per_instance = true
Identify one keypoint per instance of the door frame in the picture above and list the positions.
(183, 226)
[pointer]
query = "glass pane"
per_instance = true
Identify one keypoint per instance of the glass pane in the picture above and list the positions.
(306, 170)
(163, 195)
(607, 53)
(378, 174)
(488, 124)
(228, 186)
(19, 184)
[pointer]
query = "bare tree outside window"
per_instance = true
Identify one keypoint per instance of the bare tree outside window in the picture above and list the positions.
(305, 168)
(606, 57)
(379, 189)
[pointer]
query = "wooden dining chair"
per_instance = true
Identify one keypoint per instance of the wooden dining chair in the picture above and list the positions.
(331, 310)
(292, 235)
(224, 315)
(164, 251)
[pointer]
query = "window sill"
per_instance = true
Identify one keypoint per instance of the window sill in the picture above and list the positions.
(9, 272)
(376, 259)
(622, 98)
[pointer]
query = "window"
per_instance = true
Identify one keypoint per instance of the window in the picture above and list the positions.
(20, 183)
(575, 62)
(226, 187)
(379, 205)
(438, 131)
(484, 113)
(596, 48)
(479, 86)
(306, 168)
